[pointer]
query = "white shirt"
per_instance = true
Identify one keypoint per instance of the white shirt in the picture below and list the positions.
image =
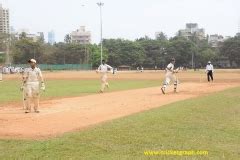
(103, 68)
(170, 68)
(209, 67)
(32, 75)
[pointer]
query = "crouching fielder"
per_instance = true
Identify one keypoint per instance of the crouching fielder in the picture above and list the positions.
(103, 69)
(170, 76)
(32, 79)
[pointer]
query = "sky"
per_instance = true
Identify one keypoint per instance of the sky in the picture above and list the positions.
(127, 19)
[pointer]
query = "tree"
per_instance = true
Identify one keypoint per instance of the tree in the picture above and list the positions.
(95, 54)
(67, 39)
(182, 50)
(25, 49)
(154, 51)
(23, 35)
(161, 36)
(4, 38)
(205, 56)
(231, 49)
(124, 52)
(48, 56)
(71, 53)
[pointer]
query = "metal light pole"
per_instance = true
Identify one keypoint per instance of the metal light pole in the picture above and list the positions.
(100, 4)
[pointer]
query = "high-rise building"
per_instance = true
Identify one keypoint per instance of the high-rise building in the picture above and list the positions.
(81, 36)
(4, 20)
(192, 30)
(51, 37)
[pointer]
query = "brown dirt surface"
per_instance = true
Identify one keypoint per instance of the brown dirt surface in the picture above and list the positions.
(71, 114)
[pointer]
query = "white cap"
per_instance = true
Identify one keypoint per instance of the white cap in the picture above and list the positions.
(32, 60)
(209, 61)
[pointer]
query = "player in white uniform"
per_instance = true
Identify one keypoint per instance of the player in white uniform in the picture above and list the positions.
(103, 69)
(209, 71)
(32, 80)
(170, 76)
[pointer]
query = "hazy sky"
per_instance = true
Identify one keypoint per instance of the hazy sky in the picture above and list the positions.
(128, 19)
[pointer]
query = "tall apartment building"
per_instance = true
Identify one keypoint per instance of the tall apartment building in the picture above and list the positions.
(51, 37)
(4, 20)
(81, 36)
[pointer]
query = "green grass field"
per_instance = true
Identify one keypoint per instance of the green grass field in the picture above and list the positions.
(209, 123)
(10, 90)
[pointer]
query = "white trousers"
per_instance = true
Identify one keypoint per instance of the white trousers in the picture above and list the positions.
(170, 77)
(32, 91)
(104, 82)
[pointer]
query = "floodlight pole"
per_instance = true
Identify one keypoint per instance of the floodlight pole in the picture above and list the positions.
(100, 4)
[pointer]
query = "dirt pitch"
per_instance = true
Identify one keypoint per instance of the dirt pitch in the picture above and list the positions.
(60, 116)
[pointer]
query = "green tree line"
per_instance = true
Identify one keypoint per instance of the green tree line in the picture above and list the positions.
(144, 51)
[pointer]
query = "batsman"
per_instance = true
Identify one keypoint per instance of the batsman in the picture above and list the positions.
(170, 76)
(103, 69)
(32, 83)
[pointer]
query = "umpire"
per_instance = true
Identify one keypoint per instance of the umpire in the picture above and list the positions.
(209, 71)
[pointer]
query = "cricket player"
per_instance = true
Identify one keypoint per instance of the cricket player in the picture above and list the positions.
(32, 83)
(209, 71)
(170, 76)
(103, 69)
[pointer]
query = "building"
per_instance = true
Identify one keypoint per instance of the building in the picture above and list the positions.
(215, 40)
(81, 36)
(51, 37)
(191, 30)
(4, 20)
(39, 36)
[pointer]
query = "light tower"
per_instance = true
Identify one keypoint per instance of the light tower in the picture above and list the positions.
(100, 4)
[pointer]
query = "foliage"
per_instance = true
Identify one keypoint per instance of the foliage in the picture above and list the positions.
(144, 51)
(124, 52)
(26, 49)
(231, 49)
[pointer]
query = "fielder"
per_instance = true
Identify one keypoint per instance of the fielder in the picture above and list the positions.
(31, 85)
(103, 69)
(170, 76)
